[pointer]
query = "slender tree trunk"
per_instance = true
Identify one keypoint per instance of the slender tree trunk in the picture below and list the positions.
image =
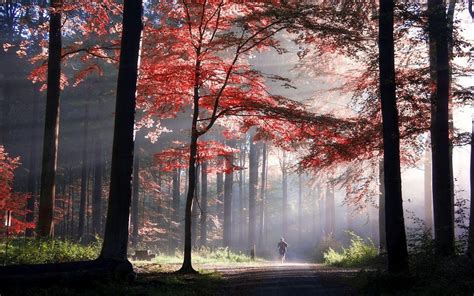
(187, 266)
(470, 248)
(204, 204)
(135, 198)
(253, 187)
(300, 209)
(330, 211)
(470, 8)
(322, 214)
(440, 142)
(32, 173)
(97, 191)
(176, 176)
(262, 195)
(316, 209)
(382, 225)
(427, 189)
(116, 226)
(45, 227)
(84, 175)
(220, 192)
(395, 224)
(284, 213)
(72, 234)
(195, 210)
(228, 184)
(159, 199)
(241, 195)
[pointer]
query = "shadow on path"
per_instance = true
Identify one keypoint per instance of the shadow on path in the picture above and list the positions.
(286, 279)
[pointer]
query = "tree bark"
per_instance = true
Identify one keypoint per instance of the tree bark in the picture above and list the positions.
(228, 184)
(263, 186)
(97, 191)
(187, 266)
(116, 227)
(300, 209)
(382, 225)
(203, 204)
(317, 208)
(220, 192)
(284, 182)
(330, 211)
(428, 206)
(45, 227)
(84, 175)
(135, 198)
(470, 247)
(253, 187)
(440, 142)
(241, 194)
(195, 210)
(395, 224)
(176, 180)
(32, 173)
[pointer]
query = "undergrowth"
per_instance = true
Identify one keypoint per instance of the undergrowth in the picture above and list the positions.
(205, 255)
(360, 253)
(35, 251)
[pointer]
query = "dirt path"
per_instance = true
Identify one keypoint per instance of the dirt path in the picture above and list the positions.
(286, 279)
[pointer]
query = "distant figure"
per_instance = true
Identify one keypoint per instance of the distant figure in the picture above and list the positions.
(282, 246)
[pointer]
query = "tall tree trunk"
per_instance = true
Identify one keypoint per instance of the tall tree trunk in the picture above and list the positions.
(84, 175)
(116, 226)
(241, 194)
(395, 224)
(220, 192)
(262, 196)
(135, 198)
(470, 247)
(45, 227)
(32, 172)
(382, 225)
(440, 142)
(470, 8)
(204, 204)
(187, 266)
(195, 208)
(428, 206)
(97, 191)
(176, 180)
(300, 209)
(322, 214)
(330, 211)
(72, 234)
(253, 187)
(228, 184)
(315, 207)
(284, 183)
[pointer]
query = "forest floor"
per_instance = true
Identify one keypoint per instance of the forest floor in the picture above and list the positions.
(259, 278)
(263, 278)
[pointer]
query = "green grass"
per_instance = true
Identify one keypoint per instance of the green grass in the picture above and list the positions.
(33, 251)
(359, 253)
(205, 256)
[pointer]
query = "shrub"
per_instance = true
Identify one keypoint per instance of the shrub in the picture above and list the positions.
(327, 242)
(33, 251)
(359, 253)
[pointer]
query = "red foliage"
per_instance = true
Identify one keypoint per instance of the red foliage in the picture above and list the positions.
(9, 200)
(210, 151)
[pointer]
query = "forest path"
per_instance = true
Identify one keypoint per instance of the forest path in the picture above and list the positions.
(286, 279)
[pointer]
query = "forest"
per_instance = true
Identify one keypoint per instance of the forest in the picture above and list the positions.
(216, 147)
